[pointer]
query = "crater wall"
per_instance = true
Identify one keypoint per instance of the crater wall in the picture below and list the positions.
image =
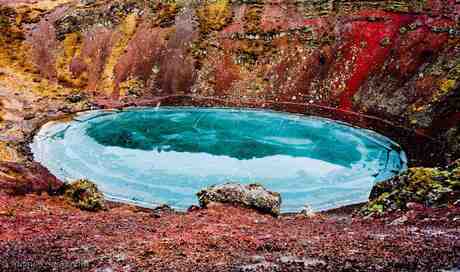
(398, 61)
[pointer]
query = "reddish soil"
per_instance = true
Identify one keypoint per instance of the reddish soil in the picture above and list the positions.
(42, 233)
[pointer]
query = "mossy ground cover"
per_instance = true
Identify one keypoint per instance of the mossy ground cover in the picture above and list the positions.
(431, 187)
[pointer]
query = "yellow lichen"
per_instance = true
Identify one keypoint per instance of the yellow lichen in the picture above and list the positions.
(7, 153)
(166, 13)
(131, 86)
(252, 18)
(14, 51)
(85, 195)
(126, 30)
(214, 16)
(445, 86)
(71, 47)
(44, 5)
(428, 186)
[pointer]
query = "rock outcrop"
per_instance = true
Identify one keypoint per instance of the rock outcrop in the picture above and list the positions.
(20, 179)
(253, 196)
(430, 187)
(85, 195)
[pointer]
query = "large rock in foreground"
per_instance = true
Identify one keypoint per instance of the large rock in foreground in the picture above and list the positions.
(431, 187)
(85, 195)
(251, 196)
(20, 179)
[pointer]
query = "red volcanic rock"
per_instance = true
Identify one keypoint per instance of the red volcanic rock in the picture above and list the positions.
(141, 54)
(97, 46)
(226, 73)
(20, 179)
(366, 44)
(276, 17)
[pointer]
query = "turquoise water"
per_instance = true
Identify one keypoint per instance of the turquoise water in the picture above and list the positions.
(153, 156)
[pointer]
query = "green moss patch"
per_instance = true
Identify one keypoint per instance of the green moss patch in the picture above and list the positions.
(432, 187)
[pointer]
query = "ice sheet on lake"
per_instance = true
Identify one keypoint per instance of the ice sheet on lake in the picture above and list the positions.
(168, 154)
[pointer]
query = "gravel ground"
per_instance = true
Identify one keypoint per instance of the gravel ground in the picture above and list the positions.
(42, 233)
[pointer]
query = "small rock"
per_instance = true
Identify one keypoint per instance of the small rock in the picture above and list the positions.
(158, 211)
(120, 257)
(85, 195)
(307, 211)
(163, 208)
(251, 196)
(399, 221)
(88, 2)
(105, 269)
(74, 98)
(193, 208)
(415, 206)
(457, 203)
(385, 42)
(29, 116)
(260, 266)
(305, 261)
(257, 258)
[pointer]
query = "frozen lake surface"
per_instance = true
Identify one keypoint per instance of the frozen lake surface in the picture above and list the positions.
(150, 156)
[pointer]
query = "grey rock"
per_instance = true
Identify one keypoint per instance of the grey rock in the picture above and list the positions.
(251, 196)
(74, 98)
(262, 266)
(399, 221)
(306, 261)
(307, 211)
(88, 2)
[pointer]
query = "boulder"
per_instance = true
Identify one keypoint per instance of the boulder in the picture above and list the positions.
(430, 187)
(24, 178)
(253, 196)
(85, 195)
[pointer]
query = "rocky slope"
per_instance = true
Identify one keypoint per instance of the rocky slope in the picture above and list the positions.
(397, 60)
